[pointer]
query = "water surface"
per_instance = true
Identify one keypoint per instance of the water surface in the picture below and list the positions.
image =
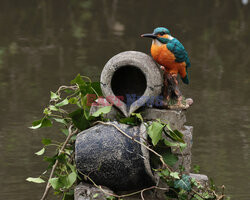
(44, 44)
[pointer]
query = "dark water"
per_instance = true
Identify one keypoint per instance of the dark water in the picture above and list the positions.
(45, 43)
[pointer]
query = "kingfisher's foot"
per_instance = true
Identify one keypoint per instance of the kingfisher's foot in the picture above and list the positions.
(162, 68)
(189, 101)
(177, 104)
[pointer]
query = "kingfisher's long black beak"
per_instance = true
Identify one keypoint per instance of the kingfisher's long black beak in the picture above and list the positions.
(150, 35)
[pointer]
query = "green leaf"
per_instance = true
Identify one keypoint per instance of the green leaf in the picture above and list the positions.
(128, 120)
(62, 121)
(84, 101)
(41, 152)
(47, 111)
(183, 197)
(175, 144)
(63, 181)
(169, 128)
(184, 183)
(96, 86)
(155, 132)
(196, 169)
(179, 135)
(53, 108)
(212, 184)
(194, 182)
(79, 119)
(138, 115)
(54, 96)
(62, 158)
(68, 195)
(72, 167)
(175, 135)
(171, 144)
(62, 103)
(41, 123)
(103, 110)
(50, 160)
(73, 100)
(206, 195)
(183, 146)
(71, 178)
(169, 158)
(56, 183)
(36, 124)
(46, 123)
(65, 131)
(46, 141)
(95, 195)
(197, 197)
(78, 80)
(175, 175)
(164, 173)
(69, 91)
(35, 180)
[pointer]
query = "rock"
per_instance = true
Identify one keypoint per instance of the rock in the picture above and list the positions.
(187, 132)
(185, 161)
(134, 76)
(85, 191)
(201, 178)
(112, 159)
(184, 157)
(176, 119)
(102, 102)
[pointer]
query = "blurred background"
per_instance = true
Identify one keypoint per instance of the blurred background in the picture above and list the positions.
(45, 43)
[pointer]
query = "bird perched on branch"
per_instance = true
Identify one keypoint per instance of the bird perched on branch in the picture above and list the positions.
(173, 58)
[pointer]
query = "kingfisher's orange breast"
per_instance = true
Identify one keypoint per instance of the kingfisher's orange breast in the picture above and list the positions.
(162, 55)
(166, 58)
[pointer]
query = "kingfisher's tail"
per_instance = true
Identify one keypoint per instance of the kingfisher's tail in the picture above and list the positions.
(185, 79)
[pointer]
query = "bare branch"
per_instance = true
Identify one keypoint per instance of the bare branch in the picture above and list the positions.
(48, 186)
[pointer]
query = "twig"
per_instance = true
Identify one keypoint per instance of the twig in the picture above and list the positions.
(63, 87)
(221, 197)
(198, 194)
(223, 190)
(150, 188)
(124, 195)
(48, 186)
(130, 137)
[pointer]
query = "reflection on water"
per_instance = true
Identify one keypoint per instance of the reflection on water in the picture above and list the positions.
(44, 44)
(244, 2)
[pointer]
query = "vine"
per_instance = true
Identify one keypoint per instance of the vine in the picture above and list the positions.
(70, 107)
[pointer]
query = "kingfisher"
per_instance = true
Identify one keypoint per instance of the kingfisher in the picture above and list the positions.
(169, 53)
(173, 58)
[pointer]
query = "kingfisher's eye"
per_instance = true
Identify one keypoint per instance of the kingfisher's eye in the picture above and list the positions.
(162, 33)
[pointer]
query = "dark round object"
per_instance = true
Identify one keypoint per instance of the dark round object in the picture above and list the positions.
(111, 159)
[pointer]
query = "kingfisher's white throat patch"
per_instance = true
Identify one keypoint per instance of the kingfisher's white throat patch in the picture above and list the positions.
(156, 42)
(170, 37)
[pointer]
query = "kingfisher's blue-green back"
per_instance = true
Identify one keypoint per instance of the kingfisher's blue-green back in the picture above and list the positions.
(179, 51)
(169, 52)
